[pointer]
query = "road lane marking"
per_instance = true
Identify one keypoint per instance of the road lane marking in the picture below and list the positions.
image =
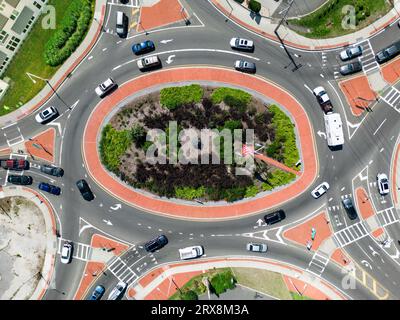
(379, 126)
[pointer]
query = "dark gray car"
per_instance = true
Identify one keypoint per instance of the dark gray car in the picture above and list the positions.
(350, 68)
(388, 53)
(51, 170)
(350, 210)
(245, 66)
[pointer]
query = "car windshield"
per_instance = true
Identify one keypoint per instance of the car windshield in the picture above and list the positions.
(65, 252)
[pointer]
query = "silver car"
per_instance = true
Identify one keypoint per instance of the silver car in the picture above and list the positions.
(256, 247)
(117, 291)
(242, 44)
(245, 66)
(383, 183)
(46, 115)
(350, 53)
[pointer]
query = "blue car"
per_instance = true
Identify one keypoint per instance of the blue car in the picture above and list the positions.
(49, 188)
(97, 293)
(143, 47)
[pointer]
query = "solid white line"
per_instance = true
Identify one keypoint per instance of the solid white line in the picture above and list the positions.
(379, 126)
(190, 50)
(7, 126)
(308, 88)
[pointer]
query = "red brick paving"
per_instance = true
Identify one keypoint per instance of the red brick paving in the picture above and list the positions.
(391, 71)
(340, 257)
(99, 241)
(377, 232)
(223, 76)
(302, 288)
(353, 89)
(163, 13)
(302, 233)
(364, 204)
(43, 141)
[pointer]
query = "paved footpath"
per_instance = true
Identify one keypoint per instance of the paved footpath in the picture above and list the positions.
(50, 221)
(157, 283)
(65, 70)
(266, 26)
(113, 185)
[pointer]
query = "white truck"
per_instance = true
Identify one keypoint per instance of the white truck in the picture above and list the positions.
(191, 252)
(334, 129)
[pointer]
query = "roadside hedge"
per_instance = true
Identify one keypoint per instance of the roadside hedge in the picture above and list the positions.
(70, 32)
(175, 97)
(232, 97)
(254, 6)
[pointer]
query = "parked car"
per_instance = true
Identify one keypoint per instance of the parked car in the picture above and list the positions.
(46, 115)
(121, 26)
(106, 87)
(84, 189)
(388, 53)
(320, 190)
(350, 68)
(20, 180)
(156, 243)
(245, 66)
(49, 188)
(256, 247)
(117, 292)
(149, 62)
(97, 293)
(274, 217)
(191, 252)
(242, 44)
(383, 183)
(351, 53)
(143, 47)
(66, 253)
(14, 164)
(349, 207)
(52, 170)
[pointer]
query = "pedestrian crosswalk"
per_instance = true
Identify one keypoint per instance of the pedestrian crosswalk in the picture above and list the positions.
(388, 216)
(81, 251)
(392, 98)
(368, 57)
(318, 263)
(122, 271)
(350, 234)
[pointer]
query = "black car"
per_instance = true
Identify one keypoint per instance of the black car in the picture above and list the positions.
(274, 217)
(350, 68)
(51, 170)
(348, 205)
(156, 243)
(20, 180)
(388, 53)
(84, 189)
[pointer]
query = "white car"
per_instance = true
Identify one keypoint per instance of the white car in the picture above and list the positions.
(117, 291)
(148, 62)
(66, 253)
(257, 247)
(350, 53)
(383, 183)
(321, 95)
(46, 115)
(191, 252)
(320, 190)
(105, 87)
(242, 44)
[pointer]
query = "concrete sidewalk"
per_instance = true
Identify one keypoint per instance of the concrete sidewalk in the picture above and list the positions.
(144, 288)
(266, 26)
(51, 246)
(65, 70)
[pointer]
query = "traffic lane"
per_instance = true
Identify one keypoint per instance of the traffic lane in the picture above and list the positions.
(385, 38)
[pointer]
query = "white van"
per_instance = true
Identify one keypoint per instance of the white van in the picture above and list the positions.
(122, 24)
(191, 252)
(149, 62)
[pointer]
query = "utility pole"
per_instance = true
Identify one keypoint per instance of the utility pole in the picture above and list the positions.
(281, 41)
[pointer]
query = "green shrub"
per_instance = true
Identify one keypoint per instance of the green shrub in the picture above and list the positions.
(138, 135)
(222, 93)
(254, 6)
(222, 281)
(189, 295)
(189, 193)
(234, 194)
(70, 32)
(174, 97)
(278, 178)
(251, 191)
(113, 145)
(232, 124)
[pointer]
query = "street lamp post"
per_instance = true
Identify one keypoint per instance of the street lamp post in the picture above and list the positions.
(101, 25)
(187, 21)
(140, 24)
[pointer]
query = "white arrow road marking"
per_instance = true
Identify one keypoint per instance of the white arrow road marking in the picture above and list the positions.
(259, 222)
(322, 134)
(169, 60)
(57, 124)
(116, 207)
(108, 222)
(74, 105)
(86, 226)
(166, 41)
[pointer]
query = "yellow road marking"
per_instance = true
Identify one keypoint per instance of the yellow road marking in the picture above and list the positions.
(133, 24)
(134, 11)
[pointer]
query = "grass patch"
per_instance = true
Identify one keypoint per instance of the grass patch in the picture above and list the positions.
(285, 148)
(113, 145)
(175, 97)
(264, 281)
(190, 193)
(29, 58)
(326, 22)
(296, 296)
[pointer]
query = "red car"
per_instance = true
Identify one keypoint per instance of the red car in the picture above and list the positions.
(14, 164)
